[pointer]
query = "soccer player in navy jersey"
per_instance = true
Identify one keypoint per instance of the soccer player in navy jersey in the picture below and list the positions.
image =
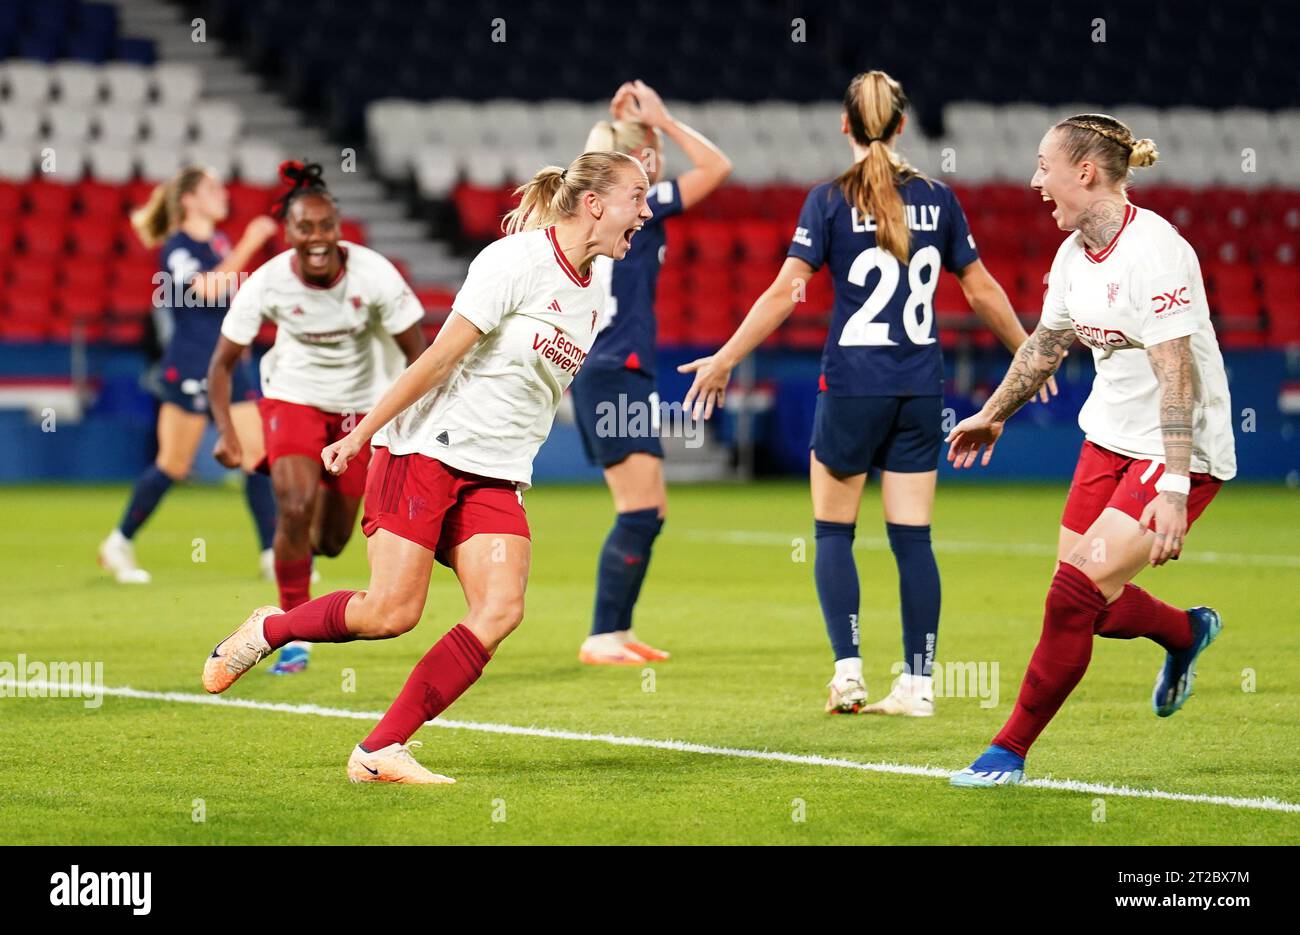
(885, 230)
(199, 276)
(619, 374)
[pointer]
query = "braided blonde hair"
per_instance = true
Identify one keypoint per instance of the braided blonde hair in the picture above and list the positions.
(1107, 142)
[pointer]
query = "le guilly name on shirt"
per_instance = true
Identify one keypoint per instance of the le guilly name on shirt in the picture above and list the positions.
(919, 218)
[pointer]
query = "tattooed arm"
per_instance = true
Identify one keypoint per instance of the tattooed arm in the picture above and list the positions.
(1172, 363)
(1036, 360)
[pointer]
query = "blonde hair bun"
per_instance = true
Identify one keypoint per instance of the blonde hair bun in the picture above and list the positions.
(1144, 154)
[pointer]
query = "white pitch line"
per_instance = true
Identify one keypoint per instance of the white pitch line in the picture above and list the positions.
(682, 746)
(876, 544)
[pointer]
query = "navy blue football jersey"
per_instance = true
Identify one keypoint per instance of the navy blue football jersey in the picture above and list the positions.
(883, 340)
(195, 327)
(627, 338)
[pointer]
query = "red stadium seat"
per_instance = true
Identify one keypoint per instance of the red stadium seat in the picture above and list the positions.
(8, 234)
(43, 235)
(93, 236)
(250, 200)
(90, 274)
(132, 298)
(353, 231)
(82, 304)
(30, 303)
(761, 241)
(34, 272)
(52, 198)
(11, 199)
(131, 246)
(479, 211)
(1232, 295)
(101, 200)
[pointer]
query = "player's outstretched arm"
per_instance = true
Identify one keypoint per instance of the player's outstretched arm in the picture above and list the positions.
(1171, 362)
(989, 302)
(1037, 359)
(772, 308)
(221, 282)
(709, 165)
(228, 450)
(430, 369)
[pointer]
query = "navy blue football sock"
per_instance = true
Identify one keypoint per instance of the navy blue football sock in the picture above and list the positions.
(622, 568)
(625, 619)
(149, 490)
(261, 503)
(918, 593)
(836, 575)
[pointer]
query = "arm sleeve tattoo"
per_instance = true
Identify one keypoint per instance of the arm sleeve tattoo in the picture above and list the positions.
(1037, 359)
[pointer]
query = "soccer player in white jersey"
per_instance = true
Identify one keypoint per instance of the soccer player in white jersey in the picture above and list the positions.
(340, 310)
(1157, 426)
(455, 438)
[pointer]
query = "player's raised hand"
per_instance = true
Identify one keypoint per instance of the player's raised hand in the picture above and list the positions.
(636, 100)
(228, 451)
(339, 455)
(969, 436)
(709, 387)
(261, 229)
(1169, 510)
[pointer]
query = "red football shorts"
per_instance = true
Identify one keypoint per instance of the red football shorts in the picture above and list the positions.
(438, 506)
(1107, 479)
(293, 429)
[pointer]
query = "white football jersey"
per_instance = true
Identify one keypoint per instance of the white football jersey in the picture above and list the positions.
(1143, 289)
(539, 320)
(333, 346)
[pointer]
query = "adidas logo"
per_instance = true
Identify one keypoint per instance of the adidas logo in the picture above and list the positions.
(555, 306)
(442, 438)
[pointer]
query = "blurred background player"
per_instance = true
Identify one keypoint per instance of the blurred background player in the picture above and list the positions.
(885, 230)
(620, 370)
(199, 275)
(458, 434)
(1158, 428)
(335, 305)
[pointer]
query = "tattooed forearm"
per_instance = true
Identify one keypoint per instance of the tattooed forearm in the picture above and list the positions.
(1100, 222)
(1036, 360)
(1172, 363)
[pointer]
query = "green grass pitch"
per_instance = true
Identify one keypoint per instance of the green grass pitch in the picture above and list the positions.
(728, 595)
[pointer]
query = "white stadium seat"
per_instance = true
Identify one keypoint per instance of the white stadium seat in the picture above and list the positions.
(117, 124)
(67, 122)
(78, 82)
(112, 162)
(219, 159)
(125, 83)
(167, 126)
(27, 82)
(217, 121)
(19, 123)
(176, 84)
(67, 162)
(436, 172)
(258, 161)
(157, 163)
(16, 162)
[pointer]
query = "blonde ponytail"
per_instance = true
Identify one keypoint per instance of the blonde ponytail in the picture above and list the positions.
(554, 194)
(875, 103)
(158, 217)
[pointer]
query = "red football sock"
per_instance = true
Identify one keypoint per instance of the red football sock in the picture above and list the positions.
(1136, 613)
(294, 580)
(446, 671)
(318, 621)
(1059, 660)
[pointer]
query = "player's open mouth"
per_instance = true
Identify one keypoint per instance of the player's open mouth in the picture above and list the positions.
(318, 257)
(627, 236)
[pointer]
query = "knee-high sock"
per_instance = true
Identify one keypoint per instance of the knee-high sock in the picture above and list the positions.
(261, 503)
(623, 561)
(918, 593)
(320, 621)
(149, 489)
(1136, 613)
(1059, 660)
(294, 581)
(837, 585)
(446, 671)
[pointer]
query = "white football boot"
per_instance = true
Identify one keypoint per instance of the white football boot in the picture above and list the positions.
(117, 556)
(393, 763)
(911, 696)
